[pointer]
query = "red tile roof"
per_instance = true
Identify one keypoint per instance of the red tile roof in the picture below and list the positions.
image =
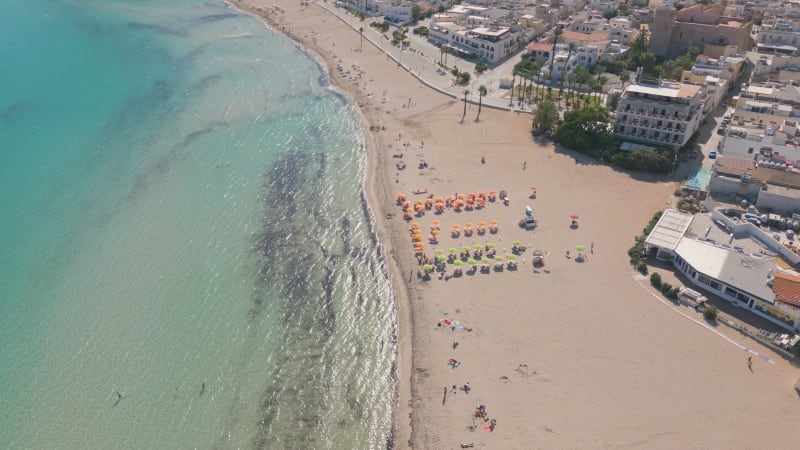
(597, 36)
(541, 46)
(787, 288)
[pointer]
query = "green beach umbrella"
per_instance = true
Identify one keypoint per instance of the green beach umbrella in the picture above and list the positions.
(491, 245)
(478, 246)
(517, 243)
(441, 258)
(512, 257)
(439, 251)
(580, 248)
(498, 258)
(458, 262)
(427, 268)
(466, 248)
(471, 262)
(485, 260)
(452, 250)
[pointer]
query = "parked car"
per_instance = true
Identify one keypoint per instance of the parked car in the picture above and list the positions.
(712, 154)
(527, 223)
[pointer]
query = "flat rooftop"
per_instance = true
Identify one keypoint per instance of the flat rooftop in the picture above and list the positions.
(675, 91)
(747, 272)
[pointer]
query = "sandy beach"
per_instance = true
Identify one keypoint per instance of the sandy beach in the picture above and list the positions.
(570, 355)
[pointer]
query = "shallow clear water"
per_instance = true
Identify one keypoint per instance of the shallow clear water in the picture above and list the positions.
(180, 202)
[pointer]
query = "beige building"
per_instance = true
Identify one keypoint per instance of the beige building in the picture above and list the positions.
(673, 32)
(665, 114)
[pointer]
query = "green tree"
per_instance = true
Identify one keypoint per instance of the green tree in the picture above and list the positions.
(544, 118)
(624, 77)
(415, 12)
(481, 93)
(585, 130)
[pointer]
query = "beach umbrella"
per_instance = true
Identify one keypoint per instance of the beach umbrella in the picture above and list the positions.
(438, 251)
(458, 262)
(435, 231)
(478, 246)
(574, 217)
(427, 268)
(452, 250)
(533, 187)
(498, 258)
(435, 222)
(491, 245)
(485, 260)
(518, 243)
(512, 257)
(580, 248)
(466, 248)
(441, 258)
(471, 262)
(414, 225)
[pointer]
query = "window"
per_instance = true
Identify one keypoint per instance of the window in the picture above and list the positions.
(703, 279)
(714, 285)
(731, 292)
(742, 298)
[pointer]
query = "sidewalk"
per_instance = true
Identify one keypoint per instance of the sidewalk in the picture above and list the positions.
(425, 68)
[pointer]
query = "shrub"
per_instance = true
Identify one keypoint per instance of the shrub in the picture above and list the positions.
(665, 288)
(673, 293)
(642, 268)
(710, 313)
(655, 280)
(481, 67)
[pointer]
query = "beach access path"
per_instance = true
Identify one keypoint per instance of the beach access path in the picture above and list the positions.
(580, 355)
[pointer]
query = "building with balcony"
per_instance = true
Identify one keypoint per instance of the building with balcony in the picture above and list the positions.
(659, 114)
(778, 35)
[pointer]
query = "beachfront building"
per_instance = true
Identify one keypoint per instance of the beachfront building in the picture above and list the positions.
(761, 129)
(699, 25)
(659, 114)
(472, 35)
(746, 276)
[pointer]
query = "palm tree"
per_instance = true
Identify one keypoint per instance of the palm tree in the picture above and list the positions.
(581, 77)
(544, 118)
(556, 39)
(570, 50)
(481, 94)
(571, 88)
(601, 82)
(466, 92)
(361, 32)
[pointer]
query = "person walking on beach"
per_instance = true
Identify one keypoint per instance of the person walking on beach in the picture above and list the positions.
(119, 395)
(444, 398)
(524, 165)
(750, 363)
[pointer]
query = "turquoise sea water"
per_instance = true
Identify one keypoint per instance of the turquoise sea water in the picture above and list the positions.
(180, 204)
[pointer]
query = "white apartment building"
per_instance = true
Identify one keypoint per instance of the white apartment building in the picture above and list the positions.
(778, 35)
(665, 114)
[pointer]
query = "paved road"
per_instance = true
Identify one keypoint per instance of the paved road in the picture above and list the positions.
(421, 58)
